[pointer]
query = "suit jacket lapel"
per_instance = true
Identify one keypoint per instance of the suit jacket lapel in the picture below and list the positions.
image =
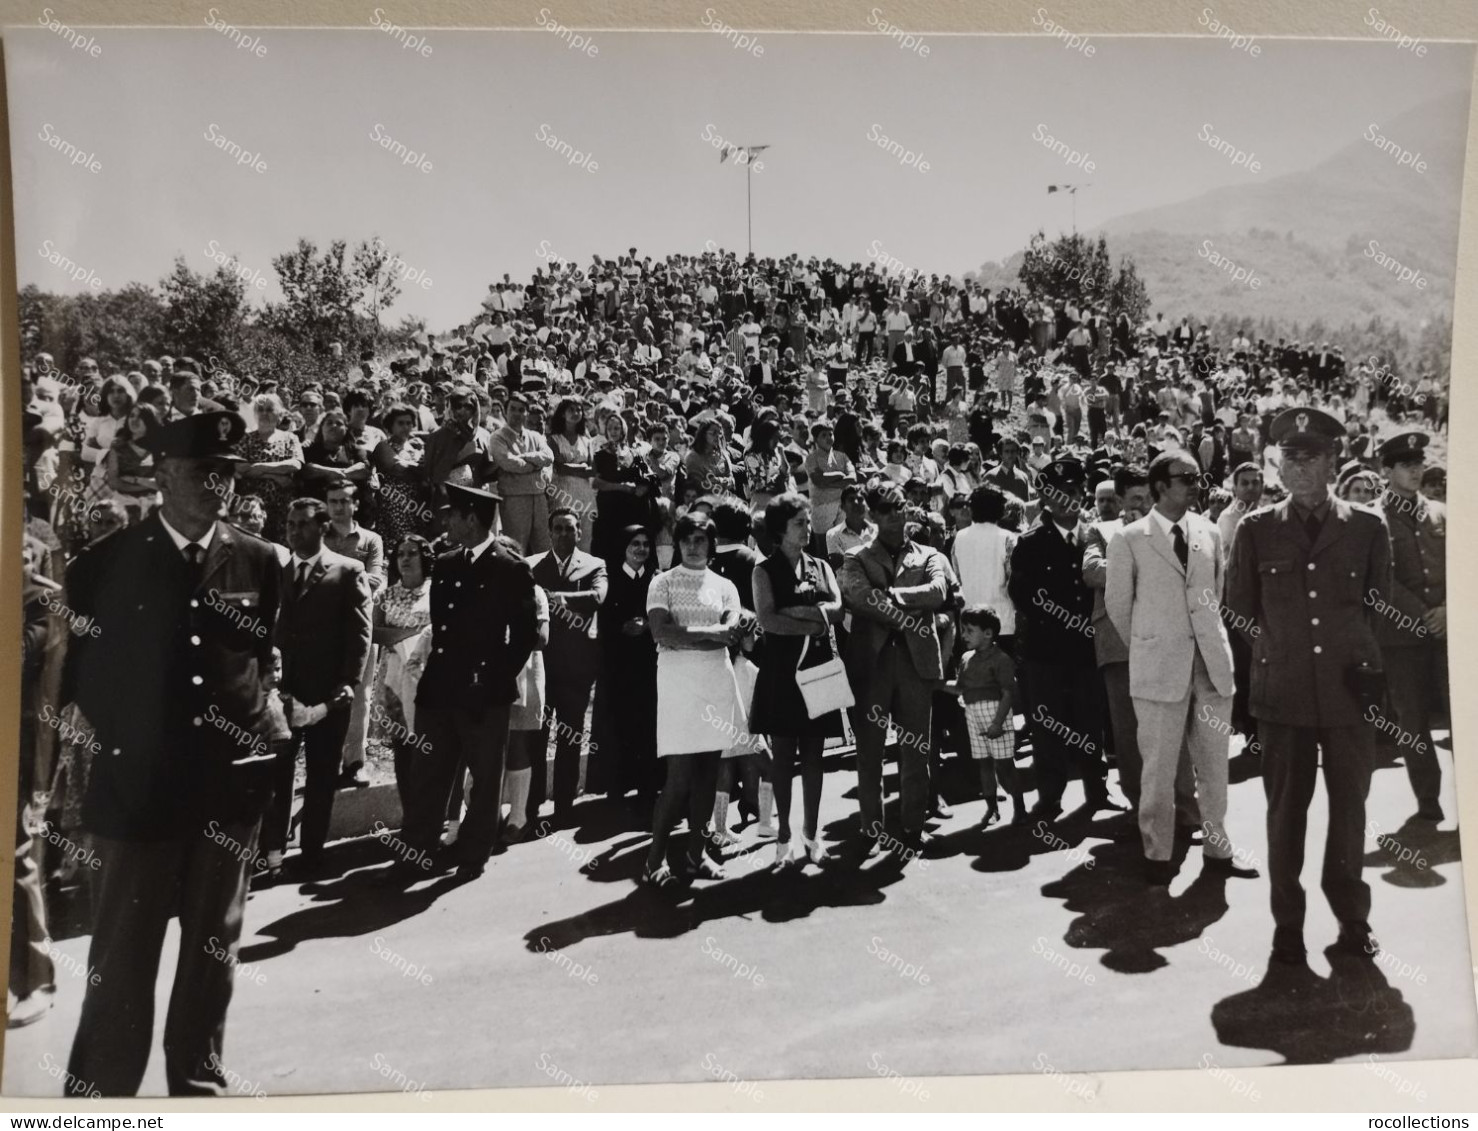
(1163, 546)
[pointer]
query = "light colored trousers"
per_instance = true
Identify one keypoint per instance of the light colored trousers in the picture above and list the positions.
(526, 521)
(1202, 721)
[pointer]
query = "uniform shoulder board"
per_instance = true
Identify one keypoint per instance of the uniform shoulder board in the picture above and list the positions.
(246, 535)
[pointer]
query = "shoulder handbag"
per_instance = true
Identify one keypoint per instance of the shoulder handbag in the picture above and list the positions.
(824, 687)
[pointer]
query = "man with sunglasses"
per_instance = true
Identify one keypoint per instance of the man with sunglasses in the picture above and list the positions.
(1164, 570)
(1305, 579)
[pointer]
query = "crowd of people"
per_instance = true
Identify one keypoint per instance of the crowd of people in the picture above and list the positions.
(686, 525)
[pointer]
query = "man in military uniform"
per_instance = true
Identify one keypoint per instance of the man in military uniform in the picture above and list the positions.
(482, 632)
(1054, 641)
(171, 678)
(1302, 586)
(1413, 628)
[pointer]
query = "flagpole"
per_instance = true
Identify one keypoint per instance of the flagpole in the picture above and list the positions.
(749, 201)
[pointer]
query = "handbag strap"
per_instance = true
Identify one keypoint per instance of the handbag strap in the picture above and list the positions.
(831, 638)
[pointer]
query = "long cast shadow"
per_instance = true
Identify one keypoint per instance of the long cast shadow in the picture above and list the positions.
(1307, 1019)
(1128, 919)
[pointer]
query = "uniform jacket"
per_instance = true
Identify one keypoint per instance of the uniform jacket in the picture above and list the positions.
(919, 585)
(324, 632)
(172, 680)
(1311, 608)
(1418, 567)
(1167, 611)
(1054, 607)
(1108, 645)
(482, 629)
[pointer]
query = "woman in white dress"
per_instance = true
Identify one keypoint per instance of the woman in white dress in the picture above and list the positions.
(694, 615)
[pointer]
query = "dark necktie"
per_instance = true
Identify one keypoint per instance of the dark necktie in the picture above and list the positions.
(1181, 551)
(195, 563)
(1313, 524)
(302, 581)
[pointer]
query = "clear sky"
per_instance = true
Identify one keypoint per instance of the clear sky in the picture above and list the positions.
(147, 105)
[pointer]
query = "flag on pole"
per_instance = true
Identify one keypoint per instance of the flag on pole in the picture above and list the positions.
(746, 152)
(1051, 188)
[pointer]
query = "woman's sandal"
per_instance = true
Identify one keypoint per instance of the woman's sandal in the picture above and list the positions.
(658, 877)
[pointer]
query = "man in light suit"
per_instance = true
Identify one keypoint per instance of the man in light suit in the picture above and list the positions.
(576, 585)
(323, 630)
(894, 589)
(1132, 490)
(1164, 581)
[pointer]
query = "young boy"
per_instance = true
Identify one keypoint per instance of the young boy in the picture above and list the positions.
(987, 683)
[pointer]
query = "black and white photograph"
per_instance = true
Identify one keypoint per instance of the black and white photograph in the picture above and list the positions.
(565, 557)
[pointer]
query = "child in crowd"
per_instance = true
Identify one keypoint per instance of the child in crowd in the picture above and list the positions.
(987, 684)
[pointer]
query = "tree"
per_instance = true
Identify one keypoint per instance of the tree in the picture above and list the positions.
(1076, 269)
(202, 315)
(319, 298)
(376, 274)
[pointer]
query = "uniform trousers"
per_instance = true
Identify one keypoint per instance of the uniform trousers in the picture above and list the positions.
(457, 736)
(893, 690)
(1199, 720)
(140, 886)
(1414, 676)
(1290, 758)
(1067, 726)
(526, 521)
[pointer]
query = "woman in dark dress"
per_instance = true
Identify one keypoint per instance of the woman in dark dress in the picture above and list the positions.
(625, 722)
(797, 600)
(625, 494)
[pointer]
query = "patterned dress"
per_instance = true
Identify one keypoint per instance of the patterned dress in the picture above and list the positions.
(403, 509)
(275, 496)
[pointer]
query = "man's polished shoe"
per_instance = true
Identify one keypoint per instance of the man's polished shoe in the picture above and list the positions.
(1430, 810)
(1228, 866)
(1099, 798)
(1159, 873)
(1356, 940)
(354, 777)
(30, 1009)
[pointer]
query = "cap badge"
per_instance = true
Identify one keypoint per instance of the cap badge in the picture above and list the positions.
(223, 429)
(1302, 420)
(1412, 440)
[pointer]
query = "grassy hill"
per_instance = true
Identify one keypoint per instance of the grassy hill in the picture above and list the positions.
(1306, 234)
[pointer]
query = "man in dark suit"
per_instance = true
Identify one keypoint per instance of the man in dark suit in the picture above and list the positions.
(764, 376)
(908, 357)
(893, 588)
(1304, 583)
(575, 583)
(483, 628)
(172, 679)
(323, 631)
(1054, 642)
